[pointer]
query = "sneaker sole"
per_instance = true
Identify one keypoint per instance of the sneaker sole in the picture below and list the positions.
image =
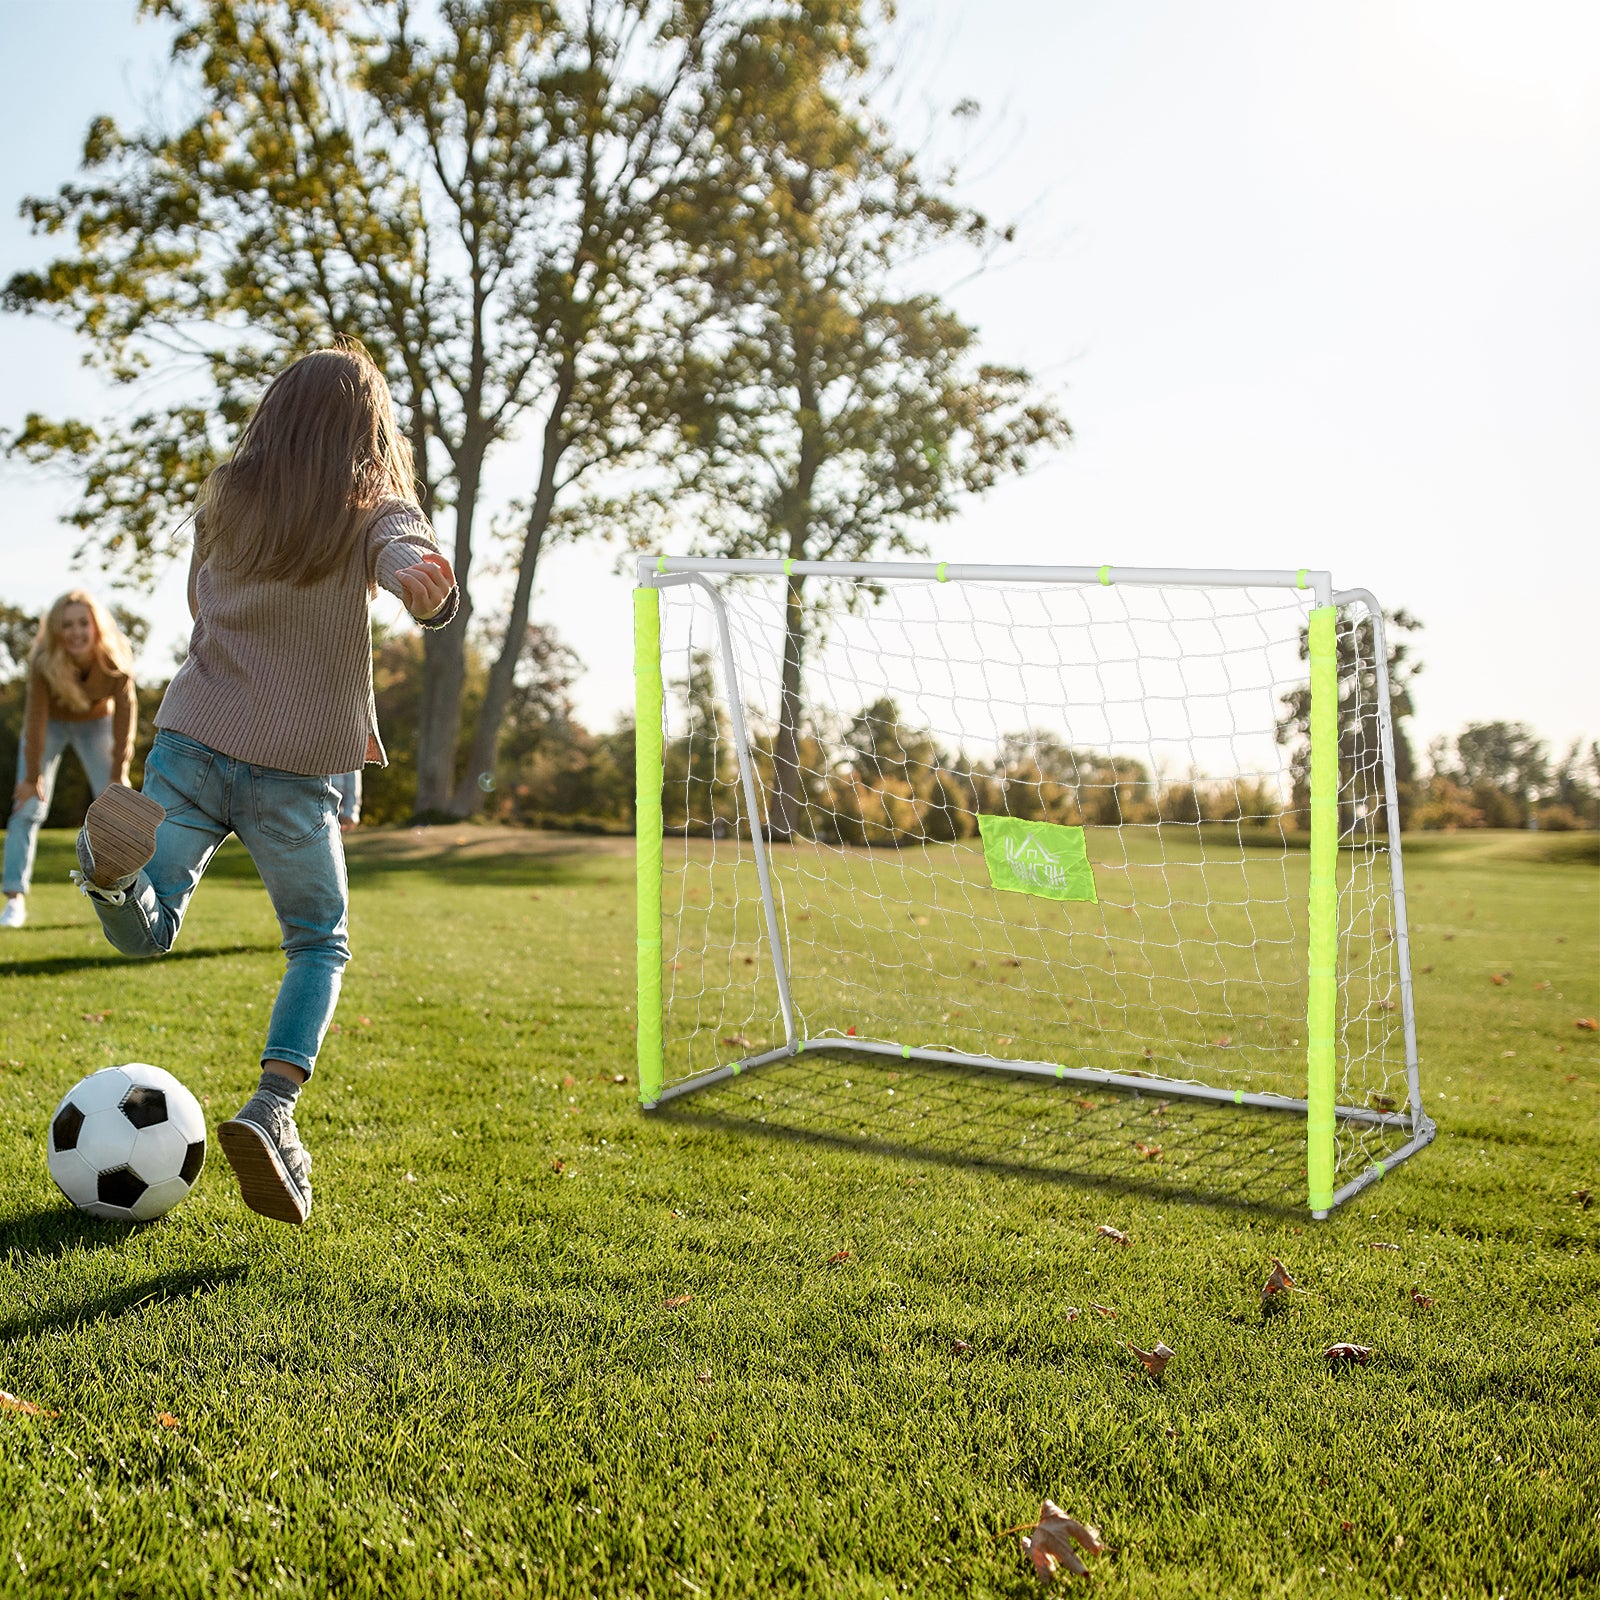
(122, 827)
(263, 1183)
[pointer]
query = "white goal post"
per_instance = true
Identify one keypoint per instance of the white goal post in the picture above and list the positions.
(1130, 827)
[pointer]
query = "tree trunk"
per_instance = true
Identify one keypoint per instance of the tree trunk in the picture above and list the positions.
(444, 664)
(789, 795)
(468, 796)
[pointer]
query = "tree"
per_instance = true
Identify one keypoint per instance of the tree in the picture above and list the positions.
(1505, 756)
(1575, 788)
(482, 199)
(1359, 743)
(17, 630)
(830, 411)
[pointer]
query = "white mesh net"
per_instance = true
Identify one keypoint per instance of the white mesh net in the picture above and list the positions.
(1168, 723)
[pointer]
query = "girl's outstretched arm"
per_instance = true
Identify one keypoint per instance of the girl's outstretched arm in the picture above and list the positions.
(406, 561)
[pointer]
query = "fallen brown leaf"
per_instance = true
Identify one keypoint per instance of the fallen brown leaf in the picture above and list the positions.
(962, 1347)
(1147, 1152)
(1049, 1543)
(1499, 979)
(1583, 1197)
(1277, 1280)
(95, 1016)
(1544, 984)
(26, 1408)
(1155, 1361)
(1223, 1041)
(1380, 1244)
(1104, 1311)
(365, 1022)
(836, 1257)
(703, 1375)
(1588, 1024)
(558, 1165)
(737, 1041)
(1115, 1235)
(569, 1082)
(1423, 1301)
(1088, 1105)
(166, 1419)
(1072, 1313)
(672, 1302)
(1010, 961)
(1359, 1354)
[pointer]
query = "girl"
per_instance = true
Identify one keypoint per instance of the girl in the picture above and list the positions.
(80, 695)
(295, 534)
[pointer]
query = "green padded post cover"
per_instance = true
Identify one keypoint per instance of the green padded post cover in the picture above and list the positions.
(1323, 915)
(647, 827)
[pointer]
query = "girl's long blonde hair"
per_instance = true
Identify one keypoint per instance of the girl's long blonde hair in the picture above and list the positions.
(320, 452)
(49, 655)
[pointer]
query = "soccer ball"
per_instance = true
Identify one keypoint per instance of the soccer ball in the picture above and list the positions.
(127, 1143)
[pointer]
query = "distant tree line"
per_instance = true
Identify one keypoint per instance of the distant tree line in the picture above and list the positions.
(873, 778)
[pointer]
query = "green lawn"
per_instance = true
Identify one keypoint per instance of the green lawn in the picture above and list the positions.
(474, 1371)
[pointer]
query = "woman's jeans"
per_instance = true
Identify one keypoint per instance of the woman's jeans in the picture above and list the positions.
(288, 824)
(92, 741)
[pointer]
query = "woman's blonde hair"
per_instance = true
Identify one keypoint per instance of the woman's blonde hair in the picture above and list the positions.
(49, 655)
(320, 452)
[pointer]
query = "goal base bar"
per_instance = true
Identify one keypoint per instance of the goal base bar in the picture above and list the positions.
(1420, 1127)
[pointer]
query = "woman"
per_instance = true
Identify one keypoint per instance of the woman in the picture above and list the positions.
(80, 695)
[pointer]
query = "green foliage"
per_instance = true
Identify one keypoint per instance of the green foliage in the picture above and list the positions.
(1499, 775)
(550, 769)
(464, 1376)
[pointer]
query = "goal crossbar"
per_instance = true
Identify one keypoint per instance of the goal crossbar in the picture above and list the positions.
(1320, 1106)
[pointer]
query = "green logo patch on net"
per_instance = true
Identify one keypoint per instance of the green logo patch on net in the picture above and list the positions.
(1039, 858)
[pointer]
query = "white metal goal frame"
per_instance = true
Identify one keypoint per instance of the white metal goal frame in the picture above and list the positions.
(1406, 1129)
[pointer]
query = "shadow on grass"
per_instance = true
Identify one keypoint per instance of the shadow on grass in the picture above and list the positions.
(51, 966)
(1101, 1140)
(55, 1230)
(162, 1289)
(465, 855)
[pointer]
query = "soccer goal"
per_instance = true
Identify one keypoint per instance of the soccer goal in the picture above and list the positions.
(1126, 827)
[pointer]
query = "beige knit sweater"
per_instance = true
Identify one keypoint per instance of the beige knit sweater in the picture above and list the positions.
(281, 676)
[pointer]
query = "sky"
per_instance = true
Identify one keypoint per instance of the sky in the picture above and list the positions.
(1315, 284)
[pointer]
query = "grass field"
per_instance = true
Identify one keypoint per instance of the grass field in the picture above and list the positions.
(778, 1338)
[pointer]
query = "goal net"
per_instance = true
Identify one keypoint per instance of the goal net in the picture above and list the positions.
(1114, 826)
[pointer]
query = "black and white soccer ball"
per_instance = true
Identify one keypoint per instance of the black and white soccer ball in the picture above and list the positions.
(127, 1143)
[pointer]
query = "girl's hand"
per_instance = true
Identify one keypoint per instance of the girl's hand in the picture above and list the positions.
(24, 792)
(426, 586)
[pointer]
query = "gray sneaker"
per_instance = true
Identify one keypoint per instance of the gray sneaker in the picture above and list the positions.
(263, 1147)
(116, 842)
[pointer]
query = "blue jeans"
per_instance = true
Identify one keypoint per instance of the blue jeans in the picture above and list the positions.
(288, 824)
(92, 741)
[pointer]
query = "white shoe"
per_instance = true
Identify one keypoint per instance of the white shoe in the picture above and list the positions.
(15, 913)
